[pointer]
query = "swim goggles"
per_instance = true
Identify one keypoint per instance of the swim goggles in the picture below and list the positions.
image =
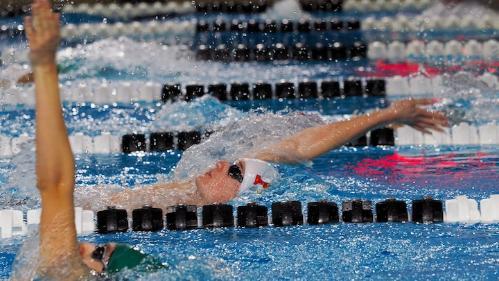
(236, 173)
(99, 254)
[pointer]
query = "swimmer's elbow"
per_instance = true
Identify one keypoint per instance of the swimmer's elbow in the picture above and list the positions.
(61, 187)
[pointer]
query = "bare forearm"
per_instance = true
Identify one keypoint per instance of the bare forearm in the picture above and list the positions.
(316, 141)
(55, 163)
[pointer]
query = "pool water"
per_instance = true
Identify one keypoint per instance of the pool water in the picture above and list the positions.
(376, 251)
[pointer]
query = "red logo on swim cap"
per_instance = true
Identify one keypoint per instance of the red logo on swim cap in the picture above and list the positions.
(258, 180)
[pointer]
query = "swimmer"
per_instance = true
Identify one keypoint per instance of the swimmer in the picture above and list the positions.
(61, 256)
(252, 172)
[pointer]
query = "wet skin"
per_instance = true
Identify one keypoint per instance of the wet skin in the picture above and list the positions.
(216, 186)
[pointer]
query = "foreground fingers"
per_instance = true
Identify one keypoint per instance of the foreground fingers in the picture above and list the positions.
(28, 27)
(425, 101)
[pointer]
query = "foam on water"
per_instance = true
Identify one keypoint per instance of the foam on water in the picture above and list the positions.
(467, 99)
(242, 138)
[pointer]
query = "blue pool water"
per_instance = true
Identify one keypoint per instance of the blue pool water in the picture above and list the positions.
(334, 252)
(372, 251)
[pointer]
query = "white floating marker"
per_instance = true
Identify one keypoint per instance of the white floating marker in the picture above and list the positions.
(396, 51)
(409, 136)
(18, 225)
(87, 222)
(33, 216)
(397, 86)
(420, 85)
(461, 209)
(6, 223)
(151, 92)
(488, 134)
(491, 50)
(78, 219)
(464, 134)
(489, 209)
(415, 50)
(102, 143)
(438, 138)
(81, 143)
(473, 49)
(377, 51)
(435, 50)
(453, 49)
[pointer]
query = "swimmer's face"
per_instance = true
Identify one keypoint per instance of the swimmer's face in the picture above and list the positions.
(92, 258)
(216, 186)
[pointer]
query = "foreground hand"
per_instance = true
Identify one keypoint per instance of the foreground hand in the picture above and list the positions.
(43, 33)
(411, 112)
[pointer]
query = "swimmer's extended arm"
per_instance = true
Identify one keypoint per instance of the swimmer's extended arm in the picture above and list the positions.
(54, 159)
(312, 142)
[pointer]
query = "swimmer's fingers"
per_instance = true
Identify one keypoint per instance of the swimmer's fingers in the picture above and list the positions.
(436, 116)
(430, 124)
(42, 16)
(421, 128)
(424, 102)
(28, 27)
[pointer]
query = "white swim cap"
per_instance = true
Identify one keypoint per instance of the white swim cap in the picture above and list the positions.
(257, 173)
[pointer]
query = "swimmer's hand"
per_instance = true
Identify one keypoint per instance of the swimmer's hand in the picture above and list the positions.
(412, 112)
(43, 33)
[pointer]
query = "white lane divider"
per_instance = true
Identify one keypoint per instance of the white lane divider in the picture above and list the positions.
(133, 29)
(12, 222)
(434, 50)
(458, 210)
(402, 23)
(128, 10)
(429, 86)
(128, 92)
(490, 209)
(80, 143)
(125, 92)
(461, 210)
(106, 143)
(384, 5)
(462, 134)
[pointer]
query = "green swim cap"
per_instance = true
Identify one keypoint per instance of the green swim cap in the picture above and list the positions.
(125, 256)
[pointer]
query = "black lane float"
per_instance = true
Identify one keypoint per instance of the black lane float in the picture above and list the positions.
(112, 220)
(307, 89)
(335, 51)
(232, 7)
(165, 141)
(272, 26)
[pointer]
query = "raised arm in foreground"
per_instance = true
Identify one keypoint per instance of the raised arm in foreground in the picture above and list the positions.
(315, 141)
(54, 159)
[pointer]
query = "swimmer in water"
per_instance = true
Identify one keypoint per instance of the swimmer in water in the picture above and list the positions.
(62, 257)
(225, 180)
